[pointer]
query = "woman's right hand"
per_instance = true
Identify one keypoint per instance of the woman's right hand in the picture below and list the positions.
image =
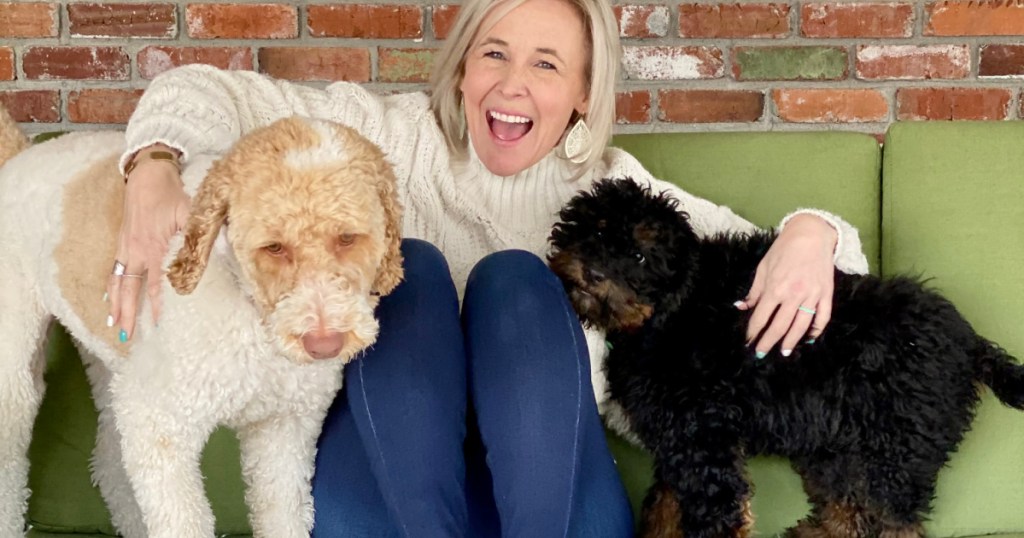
(155, 208)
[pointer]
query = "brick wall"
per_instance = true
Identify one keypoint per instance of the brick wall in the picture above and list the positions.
(688, 66)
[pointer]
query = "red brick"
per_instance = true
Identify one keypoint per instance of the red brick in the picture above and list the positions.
(30, 19)
(633, 107)
(641, 21)
(154, 60)
(912, 62)
(830, 106)
(366, 21)
(308, 64)
(39, 106)
(673, 63)
(972, 17)
(102, 105)
(1001, 61)
(442, 18)
(404, 65)
(952, 103)
(710, 106)
(733, 20)
(857, 20)
(7, 63)
(242, 21)
(76, 63)
(122, 20)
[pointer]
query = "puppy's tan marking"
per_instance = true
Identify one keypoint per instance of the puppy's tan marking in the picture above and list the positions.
(93, 208)
(748, 520)
(841, 520)
(662, 517)
(624, 311)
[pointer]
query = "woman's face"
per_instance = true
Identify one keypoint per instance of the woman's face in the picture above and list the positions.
(524, 77)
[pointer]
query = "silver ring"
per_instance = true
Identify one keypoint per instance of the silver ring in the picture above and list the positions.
(807, 310)
(126, 275)
(119, 269)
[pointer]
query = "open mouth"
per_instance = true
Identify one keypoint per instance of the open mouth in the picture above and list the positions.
(508, 127)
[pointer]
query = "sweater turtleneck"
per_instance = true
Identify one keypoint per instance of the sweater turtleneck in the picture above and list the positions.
(522, 203)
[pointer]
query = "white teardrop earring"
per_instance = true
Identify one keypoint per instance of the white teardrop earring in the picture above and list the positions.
(576, 147)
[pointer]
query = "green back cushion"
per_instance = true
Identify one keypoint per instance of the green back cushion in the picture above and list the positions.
(762, 177)
(953, 210)
(63, 498)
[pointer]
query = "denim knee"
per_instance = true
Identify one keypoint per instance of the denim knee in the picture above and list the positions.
(510, 274)
(421, 259)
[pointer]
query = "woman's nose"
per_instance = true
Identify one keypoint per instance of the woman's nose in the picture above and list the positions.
(513, 83)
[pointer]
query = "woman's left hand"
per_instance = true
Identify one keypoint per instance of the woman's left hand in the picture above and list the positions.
(793, 285)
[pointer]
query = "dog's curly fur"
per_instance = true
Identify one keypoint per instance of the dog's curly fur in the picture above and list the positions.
(293, 237)
(868, 413)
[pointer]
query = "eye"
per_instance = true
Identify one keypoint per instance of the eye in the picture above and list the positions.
(546, 65)
(494, 55)
(274, 249)
(639, 257)
(346, 239)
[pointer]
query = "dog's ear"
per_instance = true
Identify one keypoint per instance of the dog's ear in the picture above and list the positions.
(208, 214)
(390, 272)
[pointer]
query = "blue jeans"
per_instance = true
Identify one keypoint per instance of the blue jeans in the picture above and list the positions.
(481, 427)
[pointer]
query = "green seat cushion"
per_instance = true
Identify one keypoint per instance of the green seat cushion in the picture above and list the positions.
(762, 177)
(63, 498)
(953, 210)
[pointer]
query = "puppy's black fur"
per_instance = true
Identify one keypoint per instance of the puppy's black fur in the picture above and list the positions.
(868, 414)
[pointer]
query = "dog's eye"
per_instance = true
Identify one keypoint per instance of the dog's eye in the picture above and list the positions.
(274, 249)
(345, 240)
(640, 257)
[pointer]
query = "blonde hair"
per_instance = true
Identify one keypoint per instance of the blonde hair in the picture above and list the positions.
(601, 74)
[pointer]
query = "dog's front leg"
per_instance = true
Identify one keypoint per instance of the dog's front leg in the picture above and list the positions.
(701, 484)
(107, 464)
(278, 454)
(162, 438)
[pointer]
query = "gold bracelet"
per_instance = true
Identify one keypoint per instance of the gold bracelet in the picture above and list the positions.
(165, 156)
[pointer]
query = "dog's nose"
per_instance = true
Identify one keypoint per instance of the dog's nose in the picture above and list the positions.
(594, 275)
(323, 345)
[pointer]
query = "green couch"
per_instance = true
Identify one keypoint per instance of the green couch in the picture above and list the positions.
(943, 200)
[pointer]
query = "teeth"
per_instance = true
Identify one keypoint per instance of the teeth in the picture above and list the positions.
(509, 119)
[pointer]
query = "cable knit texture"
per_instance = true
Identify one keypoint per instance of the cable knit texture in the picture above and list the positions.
(461, 207)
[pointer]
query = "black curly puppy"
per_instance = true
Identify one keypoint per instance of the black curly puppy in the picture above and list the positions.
(868, 414)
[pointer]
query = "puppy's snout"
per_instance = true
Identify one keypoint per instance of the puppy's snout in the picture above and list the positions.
(594, 275)
(323, 345)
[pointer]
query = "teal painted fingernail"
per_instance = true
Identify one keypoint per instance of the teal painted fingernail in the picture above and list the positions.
(760, 355)
(810, 340)
(123, 337)
(608, 345)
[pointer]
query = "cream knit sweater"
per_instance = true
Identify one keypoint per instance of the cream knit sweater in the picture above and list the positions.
(460, 207)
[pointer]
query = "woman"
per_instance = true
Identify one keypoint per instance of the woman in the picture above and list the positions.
(485, 426)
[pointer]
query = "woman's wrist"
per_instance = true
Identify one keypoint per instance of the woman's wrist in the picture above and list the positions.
(811, 225)
(154, 155)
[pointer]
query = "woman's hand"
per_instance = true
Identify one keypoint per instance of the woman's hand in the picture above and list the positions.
(155, 208)
(793, 285)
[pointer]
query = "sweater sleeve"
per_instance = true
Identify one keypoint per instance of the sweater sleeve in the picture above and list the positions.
(201, 109)
(708, 218)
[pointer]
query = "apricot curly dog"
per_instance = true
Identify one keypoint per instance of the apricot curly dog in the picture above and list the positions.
(293, 236)
(868, 413)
